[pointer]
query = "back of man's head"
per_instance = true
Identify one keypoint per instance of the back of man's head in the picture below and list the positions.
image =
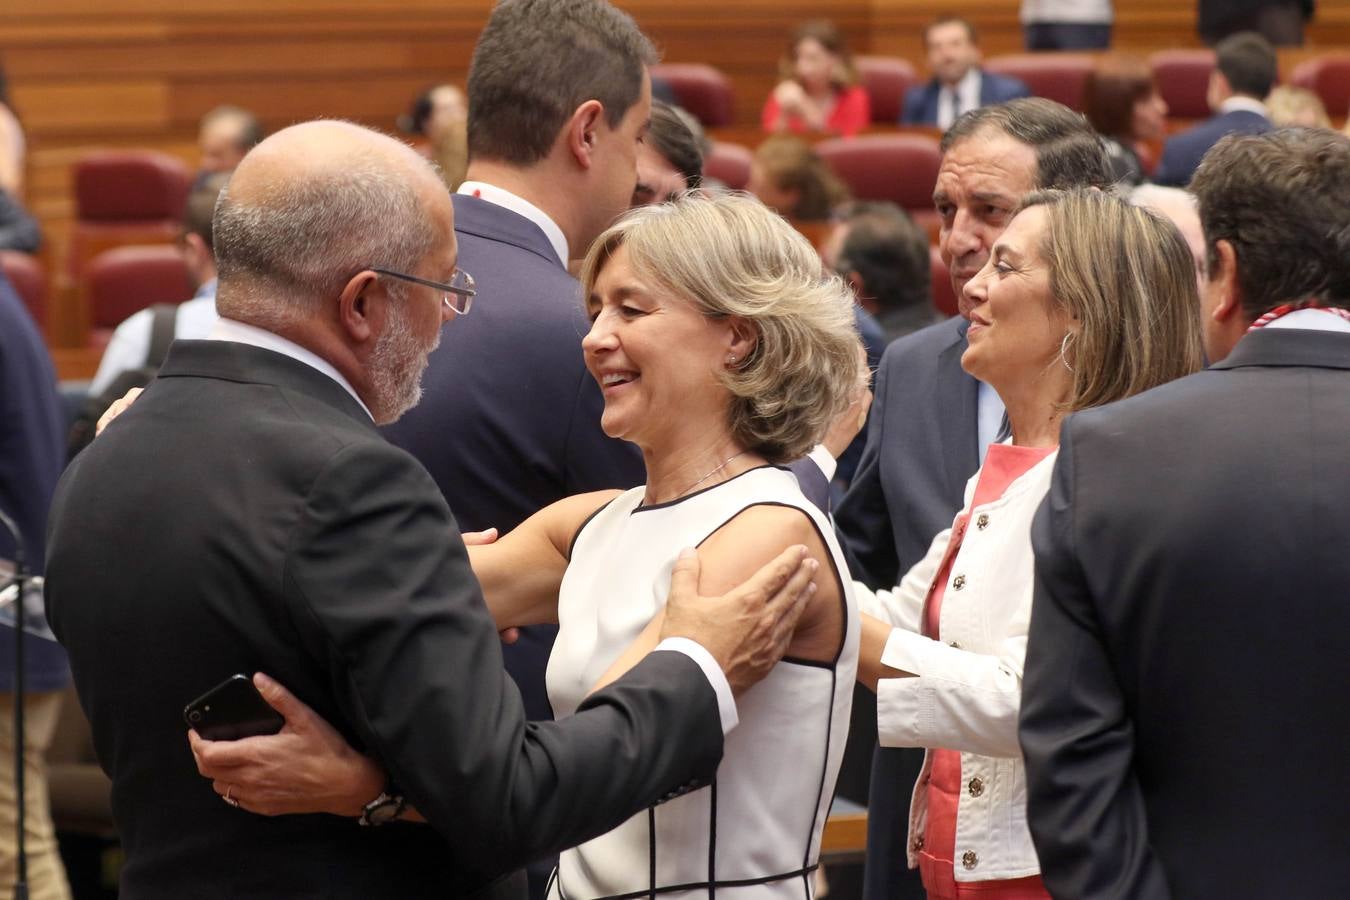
(1069, 153)
(672, 134)
(1282, 200)
(1247, 61)
(200, 209)
(311, 206)
(889, 252)
(537, 61)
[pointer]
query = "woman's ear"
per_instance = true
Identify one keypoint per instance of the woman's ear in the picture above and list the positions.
(743, 337)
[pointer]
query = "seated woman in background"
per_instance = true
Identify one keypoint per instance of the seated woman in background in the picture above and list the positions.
(1123, 104)
(723, 351)
(945, 651)
(790, 177)
(1296, 106)
(819, 91)
(441, 115)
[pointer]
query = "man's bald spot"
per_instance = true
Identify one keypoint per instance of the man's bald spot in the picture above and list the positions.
(318, 150)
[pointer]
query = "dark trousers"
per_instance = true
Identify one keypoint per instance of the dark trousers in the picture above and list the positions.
(888, 875)
(1066, 36)
(1280, 23)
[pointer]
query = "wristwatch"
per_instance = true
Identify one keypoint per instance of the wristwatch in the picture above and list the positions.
(385, 808)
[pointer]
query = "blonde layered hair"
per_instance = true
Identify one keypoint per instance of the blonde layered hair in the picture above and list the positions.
(730, 256)
(1125, 274)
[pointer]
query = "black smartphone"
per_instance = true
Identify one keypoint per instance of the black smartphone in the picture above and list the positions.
(231, 710)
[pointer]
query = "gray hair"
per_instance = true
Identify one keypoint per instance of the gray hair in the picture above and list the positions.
(1069, 154)
(730, 255)
(303, 237)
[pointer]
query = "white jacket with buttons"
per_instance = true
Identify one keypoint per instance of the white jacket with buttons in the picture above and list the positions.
(969, 685)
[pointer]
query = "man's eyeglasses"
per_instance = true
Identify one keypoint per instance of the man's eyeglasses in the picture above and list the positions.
(458, 294)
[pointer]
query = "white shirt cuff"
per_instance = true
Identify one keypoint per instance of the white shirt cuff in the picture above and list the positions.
(726, 701)
(824, 461)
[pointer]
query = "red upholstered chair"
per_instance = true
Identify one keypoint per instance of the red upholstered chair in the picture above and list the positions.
(901, 168)
(126, 197)
(30, 282)
(702, 90)
(1055, 76)
(1329, 78)
(729, 164)
(886, 79)
(1183, 81)
(125, 280)
(944, 298)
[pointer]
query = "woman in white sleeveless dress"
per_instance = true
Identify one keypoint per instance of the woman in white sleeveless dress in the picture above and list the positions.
(723, 351)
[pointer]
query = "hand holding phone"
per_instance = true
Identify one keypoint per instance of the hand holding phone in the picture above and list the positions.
(232, 710)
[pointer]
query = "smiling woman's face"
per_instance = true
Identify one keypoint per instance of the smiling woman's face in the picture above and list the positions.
(1015, 328)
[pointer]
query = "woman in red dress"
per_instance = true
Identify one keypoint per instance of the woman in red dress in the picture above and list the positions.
(819, 91)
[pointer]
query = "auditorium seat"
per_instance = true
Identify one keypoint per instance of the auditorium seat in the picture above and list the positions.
(702, 90)
(944, 297)
(126, 197)
(1182, 77)
(886, 79)
(30, 282)
(1329, 78)
(125, 280)
(729, 164)
(1056, 76)
(901, 168)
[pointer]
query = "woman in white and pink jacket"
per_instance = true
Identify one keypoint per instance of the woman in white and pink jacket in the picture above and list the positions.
(1084, 300)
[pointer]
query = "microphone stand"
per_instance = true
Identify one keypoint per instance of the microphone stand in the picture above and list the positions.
(19, 579)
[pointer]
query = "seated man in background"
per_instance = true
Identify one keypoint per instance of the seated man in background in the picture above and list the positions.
(1245, 69)
(225, 135)
(958, 84)
(883, 255)
(129, 346)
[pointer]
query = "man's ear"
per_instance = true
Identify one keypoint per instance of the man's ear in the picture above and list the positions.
(361, 307)
(1225, 285)
(583, 132)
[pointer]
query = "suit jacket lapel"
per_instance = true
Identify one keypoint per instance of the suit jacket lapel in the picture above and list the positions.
(489, 221)
(958, 418)
(1289, 347)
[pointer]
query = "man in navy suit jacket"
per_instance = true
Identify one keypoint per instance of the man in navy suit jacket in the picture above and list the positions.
(958, 84)
(1243, 75)
(930, 421)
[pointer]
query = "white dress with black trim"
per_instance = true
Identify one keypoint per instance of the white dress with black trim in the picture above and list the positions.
(755, 832)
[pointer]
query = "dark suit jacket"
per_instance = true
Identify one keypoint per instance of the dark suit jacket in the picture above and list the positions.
(1182, 153)
(32, 451)
(510, 419)
(922, 447)
(1218, 17)
(1183, 715)
(246, 515)
(921, 101)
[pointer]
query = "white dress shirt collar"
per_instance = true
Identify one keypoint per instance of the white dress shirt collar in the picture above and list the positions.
(241, 333)
(1246, 104)
(520, 206)
(1312, 320)
(968, 89)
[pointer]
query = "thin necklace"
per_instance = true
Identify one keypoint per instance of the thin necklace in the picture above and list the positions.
(726, 462)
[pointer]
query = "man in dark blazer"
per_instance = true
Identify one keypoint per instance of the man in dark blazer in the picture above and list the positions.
(247, 515)
(958, 84)
(1183, 715)
(930, 421)
(1244, 72)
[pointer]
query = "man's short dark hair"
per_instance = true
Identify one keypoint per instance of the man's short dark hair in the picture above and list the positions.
(1069, 153)
(250, 132)
(889, 251)
(200, 209)
(1282, 199)
(537, 61)
(670, 135)
(1248, 61)
(952, 20)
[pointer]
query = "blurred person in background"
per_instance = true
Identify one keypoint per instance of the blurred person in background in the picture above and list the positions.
(1296, 106)
(1122, 102)
(958, 84)
(819, 90)
(441, 115)
(1279, 21)
(670, 160)
(1066, 24)
(789, 176)
(18, 229)
(225, 135)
